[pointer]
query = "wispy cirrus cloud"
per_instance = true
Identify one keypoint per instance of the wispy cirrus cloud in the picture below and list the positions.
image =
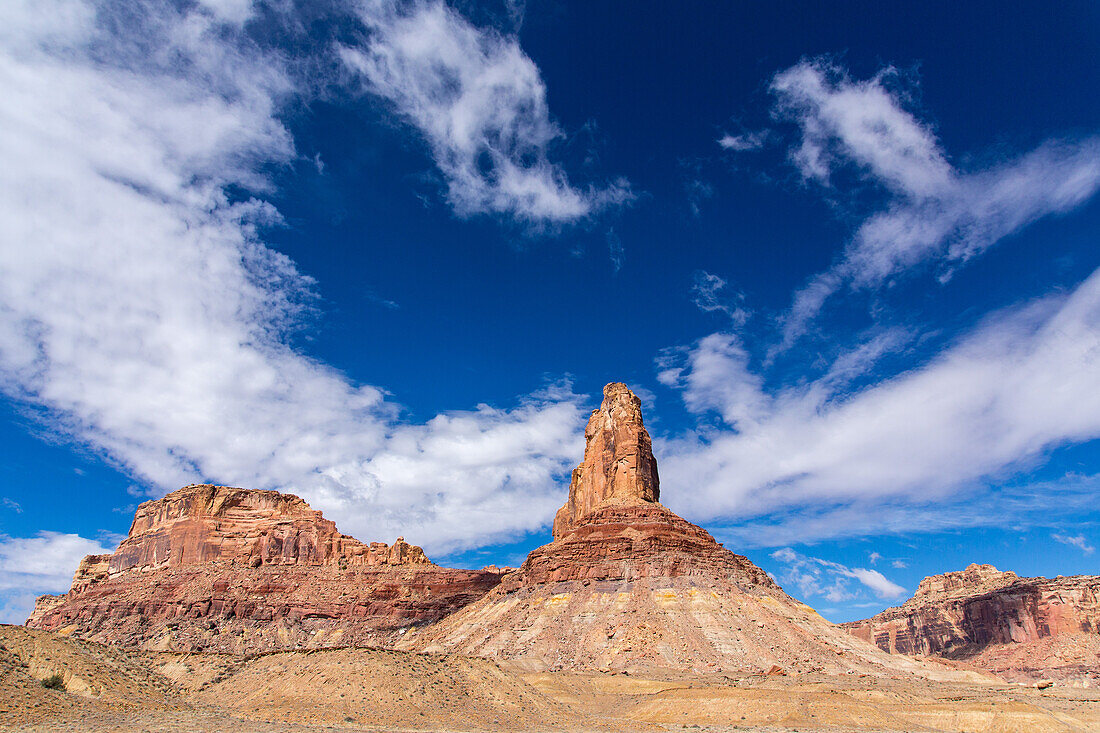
(708, 296)
(479, 102)
(820, 459)
(1078, 541)
(815, 577)
(743, 142)
(935, 213)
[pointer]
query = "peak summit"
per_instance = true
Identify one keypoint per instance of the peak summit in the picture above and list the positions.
(618, 460)
(627, 584)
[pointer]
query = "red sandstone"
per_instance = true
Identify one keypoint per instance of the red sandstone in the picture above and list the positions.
(618, 460)
(995, 620)
(226, 569)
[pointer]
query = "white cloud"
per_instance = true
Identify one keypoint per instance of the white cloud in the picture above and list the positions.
(715, 375)
(31, 566)
(979, 210)
(1023, 382)
(1021, 503)
(140, 308)
(857, 361)
(899, 564)
(1077, 541)
(742, 143)
(874, 557)
(232, 11)
(830, 580)
(844, 120)
(935, 212)
(877, 582)
(480, 104)
(50, 558)
(706, 293)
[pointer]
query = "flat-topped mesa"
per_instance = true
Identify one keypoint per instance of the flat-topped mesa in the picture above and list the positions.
(618, 461)
(202, 523)
(215, 568)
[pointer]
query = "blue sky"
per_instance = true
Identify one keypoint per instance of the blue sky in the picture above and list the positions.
(386, 255)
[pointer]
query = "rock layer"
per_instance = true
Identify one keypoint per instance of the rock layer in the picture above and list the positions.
(618, 460)
(996, 620)
(629, 542)
(238, 570)
(203, 523)
(629, 585)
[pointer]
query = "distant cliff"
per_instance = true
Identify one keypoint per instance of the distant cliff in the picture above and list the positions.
(1020, 627)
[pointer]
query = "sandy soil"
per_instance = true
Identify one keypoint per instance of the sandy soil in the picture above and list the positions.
(371, 690)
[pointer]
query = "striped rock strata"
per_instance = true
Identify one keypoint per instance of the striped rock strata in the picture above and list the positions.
(629, 585)
(1020, 628)
(238, 570)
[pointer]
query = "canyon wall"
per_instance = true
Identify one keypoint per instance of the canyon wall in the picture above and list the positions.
(1017, 627)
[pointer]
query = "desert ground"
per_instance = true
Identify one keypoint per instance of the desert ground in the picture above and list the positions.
(109, 689)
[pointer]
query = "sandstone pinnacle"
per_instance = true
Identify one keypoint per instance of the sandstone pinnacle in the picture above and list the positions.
(627, 585)
(618, 460)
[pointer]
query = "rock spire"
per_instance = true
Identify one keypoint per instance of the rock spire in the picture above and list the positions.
(628, 585)
(618, 460)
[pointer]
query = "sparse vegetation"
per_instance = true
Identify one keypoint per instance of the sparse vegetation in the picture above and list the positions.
(54, 682)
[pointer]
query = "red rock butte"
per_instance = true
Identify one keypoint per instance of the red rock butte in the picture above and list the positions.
(239, 570)
(629, 585)
(203, 523)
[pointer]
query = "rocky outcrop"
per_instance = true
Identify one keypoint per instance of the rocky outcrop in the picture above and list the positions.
(42, 606)
(996, 620)
(629, 585)
(237, 570)
(618, 460)
(203, 523)
(624, 543)
(92, 569)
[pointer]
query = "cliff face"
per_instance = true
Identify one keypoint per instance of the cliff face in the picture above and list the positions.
(202, 523)
(630, 542)
(618, 460)
(628, 584)
(236, 570)
(996, 620)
